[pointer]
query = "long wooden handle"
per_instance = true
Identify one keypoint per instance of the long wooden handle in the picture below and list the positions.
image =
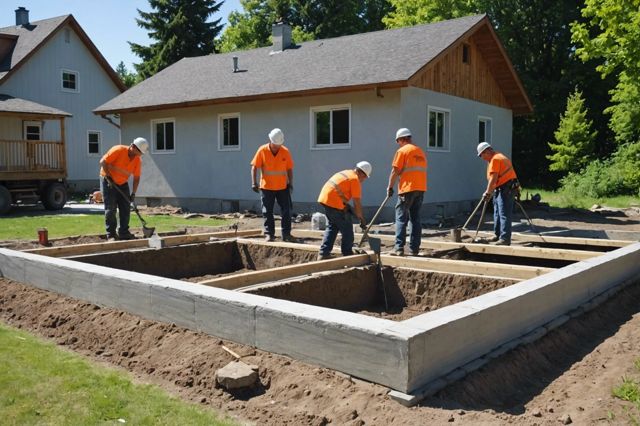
(375, 216)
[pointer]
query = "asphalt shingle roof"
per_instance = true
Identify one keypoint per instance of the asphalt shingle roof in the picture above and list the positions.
(362, 59)
(22, 106)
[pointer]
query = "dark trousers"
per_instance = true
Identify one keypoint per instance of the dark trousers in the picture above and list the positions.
(503, 212)
(408, 211)
(115, 200)
(269, 199)
(339, 221)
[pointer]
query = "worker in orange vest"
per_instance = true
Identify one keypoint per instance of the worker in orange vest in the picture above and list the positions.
(276, 183)
(116, 166)
(502, 186)
(410, 166)
(334, 197)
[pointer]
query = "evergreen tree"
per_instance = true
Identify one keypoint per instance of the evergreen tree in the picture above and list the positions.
(574, 137)
(128, 78)
(180, 28)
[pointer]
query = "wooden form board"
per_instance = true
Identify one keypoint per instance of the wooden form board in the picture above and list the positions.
(173, 240)
(530, 252)
(535, 238)
(275, 274)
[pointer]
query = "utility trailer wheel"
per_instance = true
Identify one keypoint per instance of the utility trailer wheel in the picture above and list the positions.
(55, 196)
(5, 200)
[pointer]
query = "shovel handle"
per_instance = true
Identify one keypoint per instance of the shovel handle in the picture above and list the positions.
(473, 213)
(375, 216)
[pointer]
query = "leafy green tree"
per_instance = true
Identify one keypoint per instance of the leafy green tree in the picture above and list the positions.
(406, 13)
(611, 34)
(574, 137)
(180, 28)
(128, 78)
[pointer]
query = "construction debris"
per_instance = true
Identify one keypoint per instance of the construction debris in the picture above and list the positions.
(237, 375)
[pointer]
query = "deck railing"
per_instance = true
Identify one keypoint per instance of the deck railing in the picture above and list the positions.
(31, 156)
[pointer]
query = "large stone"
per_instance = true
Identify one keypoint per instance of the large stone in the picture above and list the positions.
(236, 375)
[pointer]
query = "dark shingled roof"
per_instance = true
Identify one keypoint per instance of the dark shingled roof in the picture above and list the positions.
(382, 58)
(9, 104)
(34, 35)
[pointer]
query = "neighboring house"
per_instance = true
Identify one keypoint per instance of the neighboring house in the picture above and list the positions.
(338, 101)
(50, 69)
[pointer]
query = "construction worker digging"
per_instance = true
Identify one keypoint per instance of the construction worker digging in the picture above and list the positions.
(410, 167)
(116, 166)
(335, 195)
(276, 183)
(502, 186)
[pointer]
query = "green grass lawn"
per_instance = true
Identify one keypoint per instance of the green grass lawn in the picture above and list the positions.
(64, 225)
(558, 199)
(42, 384)
(629, 390)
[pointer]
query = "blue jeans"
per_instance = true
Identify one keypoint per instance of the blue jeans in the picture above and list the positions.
(115, 200)
(269, 199)
(408, 210)
(339, 221)
(503, 212)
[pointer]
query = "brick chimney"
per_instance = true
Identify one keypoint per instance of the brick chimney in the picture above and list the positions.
(281, 34)
(22, 16)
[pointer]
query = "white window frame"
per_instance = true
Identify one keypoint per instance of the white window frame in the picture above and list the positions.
(486, 120)
(312, 127)
(68, 71)
(221, 118)
(99, 133)
(153, 135)
(32, 123)
(446, 145)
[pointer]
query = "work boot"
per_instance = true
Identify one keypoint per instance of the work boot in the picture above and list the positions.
(503, 243)
(269, 238)
(126, 236)
(323, 256)
(397, 252)
(415, 252)
(290, 239)
(494, 239)
(112, 237)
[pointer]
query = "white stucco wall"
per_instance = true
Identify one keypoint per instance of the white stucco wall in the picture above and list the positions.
(198, 170)
(39, 80)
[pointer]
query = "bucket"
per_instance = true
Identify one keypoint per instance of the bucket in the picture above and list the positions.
(43, 236)
(318, 221)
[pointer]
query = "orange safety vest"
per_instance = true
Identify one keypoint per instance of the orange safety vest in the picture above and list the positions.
(273, 168)
(342, 187)
(411, 162)
(501, 165)
(118, 156)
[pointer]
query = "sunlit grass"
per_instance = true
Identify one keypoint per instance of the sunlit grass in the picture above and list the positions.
(559, 199)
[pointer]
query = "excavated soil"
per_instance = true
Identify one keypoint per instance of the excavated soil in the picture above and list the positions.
(569, 372)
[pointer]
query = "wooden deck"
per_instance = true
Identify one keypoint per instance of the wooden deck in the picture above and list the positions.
(23, 159)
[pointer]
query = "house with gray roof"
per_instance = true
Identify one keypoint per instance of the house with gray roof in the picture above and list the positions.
(51, 78)
(338, 101)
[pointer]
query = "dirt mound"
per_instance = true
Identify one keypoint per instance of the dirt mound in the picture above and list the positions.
(570, 371)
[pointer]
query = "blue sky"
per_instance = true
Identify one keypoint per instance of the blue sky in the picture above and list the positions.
(109, 23)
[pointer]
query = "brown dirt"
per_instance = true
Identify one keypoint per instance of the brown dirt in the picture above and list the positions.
(568, 372)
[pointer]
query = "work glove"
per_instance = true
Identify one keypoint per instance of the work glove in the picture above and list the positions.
(110, 183)
(255, 188)
(389, 192)
(290, 187)
(132, 197)
(486, 196)
(363, 225)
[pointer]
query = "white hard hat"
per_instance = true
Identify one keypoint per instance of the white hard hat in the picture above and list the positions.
(365, 166)
(482, 146)
(141, 144)
(403, 133)
(276, 136)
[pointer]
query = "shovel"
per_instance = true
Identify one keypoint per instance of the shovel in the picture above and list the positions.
(374, 244)
(375, 216)
(146, 231)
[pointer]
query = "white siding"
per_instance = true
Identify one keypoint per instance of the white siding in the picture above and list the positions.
(39, 80)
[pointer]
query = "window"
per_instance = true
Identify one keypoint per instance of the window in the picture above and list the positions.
(484, 129)
(466, 54)
(32, 130)
(93, 142)
(331, 127)
(229, 132)
(438, 129)
(69, 81)
(67, 35)
(163, 131)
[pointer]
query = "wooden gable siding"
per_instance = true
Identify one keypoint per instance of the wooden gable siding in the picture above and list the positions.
(473, 80)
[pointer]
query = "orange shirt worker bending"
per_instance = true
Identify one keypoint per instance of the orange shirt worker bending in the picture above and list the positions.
(410, 166)
(335, 195)
(116, 166)
(276, 183)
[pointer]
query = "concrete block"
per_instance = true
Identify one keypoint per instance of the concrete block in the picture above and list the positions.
(11, 266)
(131, 296)
(475, 365)
(503, 349)
(455, 375)
(173, 306)
(409, 400)
(534, 335)
(557, 322)
(227, 319)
